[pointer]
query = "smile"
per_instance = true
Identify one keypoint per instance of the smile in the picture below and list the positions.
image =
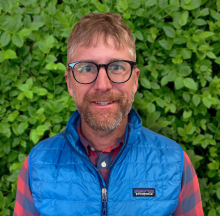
(103, 103)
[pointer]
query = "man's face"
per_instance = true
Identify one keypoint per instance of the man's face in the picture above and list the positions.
(103, 105)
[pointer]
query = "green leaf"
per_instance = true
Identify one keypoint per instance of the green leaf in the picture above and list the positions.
(13, 116)
(57, 119)
(23, 143)
(214, 165)
(151, 107)
(23, 87)
(181, 131)
(217, 61)
(204, 12)
(139, 35)
(191, 4)
(215, 14)
(218, 193)
(165, 44)
(169, 31)
(186, 53)
(34, 137)
(199, 22)
(36, 25)
(196, 158)
(187, 114)
(151, 120)
(9, 54)
(163, 3)
(50, 41)
(43, 46)
(183, 18)
(160, 102)
(206, 102)
(42, 91)
(41, 129)
(136, 5)
(51, 8)
(40, 111)
(21, 158)
(196, 100)
(13, 177)
(145, 83)
(51, 66)
(186, 97)
(206, 34)
(185, 71)
(29, 82)
(51, 58)
(1, 56)
(190, 83)
(22, 127)
(162, 124)
(17, 40)
(28, 94)
(61, 67)
(164, 80)
(5, 39)
(178, 83)
(98, 5)
(154, 85)
(123, 4)
(211, 55)
(25, 32)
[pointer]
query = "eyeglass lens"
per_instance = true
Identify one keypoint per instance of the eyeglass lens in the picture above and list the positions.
(86, 72)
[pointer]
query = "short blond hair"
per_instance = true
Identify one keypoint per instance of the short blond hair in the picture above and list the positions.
(97, 24)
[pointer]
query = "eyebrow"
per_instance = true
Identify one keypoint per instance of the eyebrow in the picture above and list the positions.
(113, 59)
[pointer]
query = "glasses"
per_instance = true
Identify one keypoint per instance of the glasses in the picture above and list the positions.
(86, 72)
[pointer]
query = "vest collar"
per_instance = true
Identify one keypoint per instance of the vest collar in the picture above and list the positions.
(73, 137)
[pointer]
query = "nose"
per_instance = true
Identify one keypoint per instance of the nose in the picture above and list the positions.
(102, 82)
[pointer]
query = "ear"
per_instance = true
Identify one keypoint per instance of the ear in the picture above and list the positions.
(68, 84)
(137, 71)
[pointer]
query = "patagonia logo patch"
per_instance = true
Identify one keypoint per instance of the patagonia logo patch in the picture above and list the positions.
(143, 192)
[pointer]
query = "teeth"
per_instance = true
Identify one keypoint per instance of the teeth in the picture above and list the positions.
(104, 103)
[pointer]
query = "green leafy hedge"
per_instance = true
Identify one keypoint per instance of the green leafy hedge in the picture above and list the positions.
(177, 51)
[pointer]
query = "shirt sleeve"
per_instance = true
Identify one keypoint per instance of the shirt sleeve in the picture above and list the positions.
(190, 203)
(24, 204)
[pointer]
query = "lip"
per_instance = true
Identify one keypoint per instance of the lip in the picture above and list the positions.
(106, 105)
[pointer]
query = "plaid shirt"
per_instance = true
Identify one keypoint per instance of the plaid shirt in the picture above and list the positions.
(189, 200)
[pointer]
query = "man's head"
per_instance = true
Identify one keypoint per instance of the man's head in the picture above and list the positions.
(102, 38)
(96, 25)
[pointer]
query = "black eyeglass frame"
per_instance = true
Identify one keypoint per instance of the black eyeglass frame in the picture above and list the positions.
(132, 64)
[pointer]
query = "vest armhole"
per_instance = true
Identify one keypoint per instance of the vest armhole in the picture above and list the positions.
(30, 171)
(182, 161)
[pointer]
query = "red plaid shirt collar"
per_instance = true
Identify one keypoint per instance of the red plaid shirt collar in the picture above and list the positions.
(88, 145)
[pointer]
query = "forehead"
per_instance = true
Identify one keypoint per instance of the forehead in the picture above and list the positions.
(100, 48)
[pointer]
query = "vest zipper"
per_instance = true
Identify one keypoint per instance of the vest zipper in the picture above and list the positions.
(104, 190)
(104, 201)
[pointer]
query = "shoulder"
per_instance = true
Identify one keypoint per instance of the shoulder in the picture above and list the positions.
(159, 140)
(48, 148)
(56, 141)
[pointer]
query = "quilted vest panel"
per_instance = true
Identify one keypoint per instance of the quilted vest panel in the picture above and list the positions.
(64, 182)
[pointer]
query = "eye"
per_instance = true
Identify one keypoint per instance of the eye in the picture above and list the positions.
(115, 67)
(86, 69)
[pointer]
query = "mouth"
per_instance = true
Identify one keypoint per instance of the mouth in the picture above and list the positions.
(103, 103)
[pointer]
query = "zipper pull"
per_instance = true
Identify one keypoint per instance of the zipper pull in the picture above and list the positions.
(104, 200)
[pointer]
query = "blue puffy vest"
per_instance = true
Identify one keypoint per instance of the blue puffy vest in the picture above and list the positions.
(144, 179)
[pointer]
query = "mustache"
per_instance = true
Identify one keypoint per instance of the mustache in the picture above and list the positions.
(100, 96)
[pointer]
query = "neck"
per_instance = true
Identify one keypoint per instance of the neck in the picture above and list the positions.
(101, 140)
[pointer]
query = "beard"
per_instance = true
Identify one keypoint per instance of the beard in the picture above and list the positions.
(105, 119)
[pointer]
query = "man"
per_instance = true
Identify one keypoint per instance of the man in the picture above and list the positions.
(105, 162)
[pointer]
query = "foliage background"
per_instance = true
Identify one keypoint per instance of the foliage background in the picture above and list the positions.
(178, 54)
